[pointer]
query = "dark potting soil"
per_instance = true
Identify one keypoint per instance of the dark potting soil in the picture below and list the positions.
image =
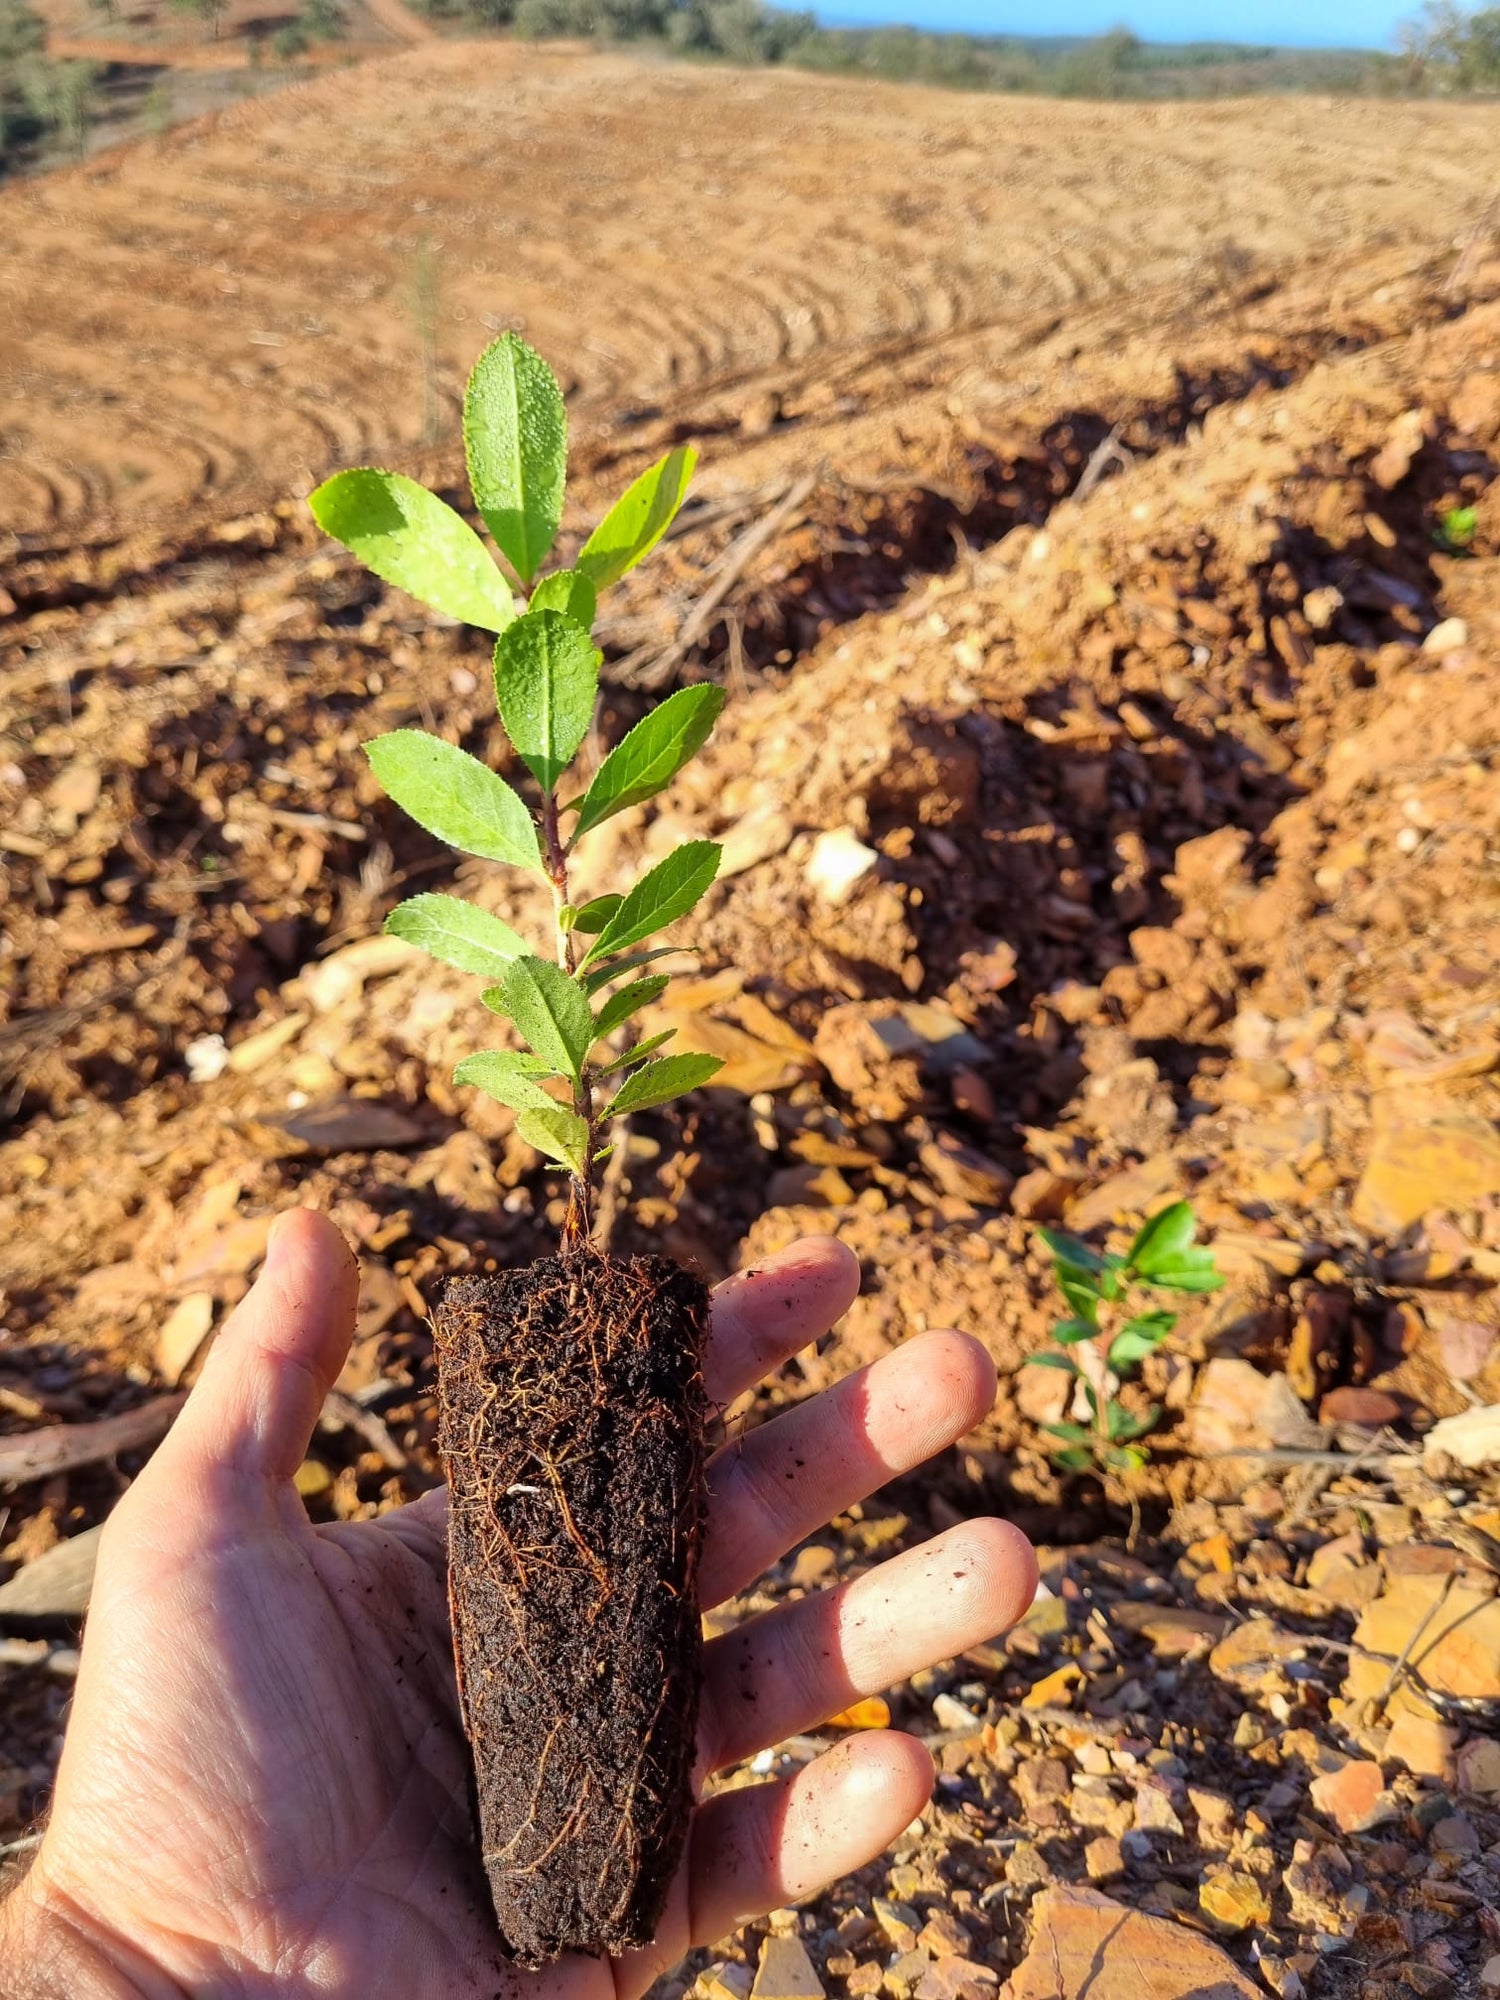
(572, 1422)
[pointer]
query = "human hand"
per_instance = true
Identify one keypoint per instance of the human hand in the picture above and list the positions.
(264, 1788)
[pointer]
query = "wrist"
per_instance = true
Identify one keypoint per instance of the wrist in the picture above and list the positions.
(49, 1950)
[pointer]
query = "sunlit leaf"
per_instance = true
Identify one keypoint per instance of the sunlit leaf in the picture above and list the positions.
(1163, 1237)
(665, 893)
(639, 518)
(509, 1077)
(619, 1007)
(456, 932)
(561, 1135)
(568, 591)
(551, 1012)
(646, 760)
(546, 678)
(660, 1081)
(454, 796)
(409, 537)
(516, 442)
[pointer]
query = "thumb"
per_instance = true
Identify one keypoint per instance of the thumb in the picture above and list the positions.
(253, 1409)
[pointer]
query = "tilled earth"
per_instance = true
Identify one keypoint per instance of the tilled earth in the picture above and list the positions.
(1110, 791)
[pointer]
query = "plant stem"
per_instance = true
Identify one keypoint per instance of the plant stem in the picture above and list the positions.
(578, 1225)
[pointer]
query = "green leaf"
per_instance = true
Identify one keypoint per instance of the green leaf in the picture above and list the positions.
(1069, 1433)
(1082, 1297)
(603, 974)
(1127, 1348)
(1163, 1236)
(509, 1077)
(1187, 1278)
(1071, 1250)
(561, 1135)
(412, 539)
(629, 1000)
(659, 1081)
(1158, 1322)
(546, 678)
(661, 896)
(595, 915)
(1122, 1425)
(516, 442)
(549, 1009)
(1126, 1458)
(646, 760)
(1051, 1361)
(457, 933)
(454, 796)
(1076, 1458)
(1070, 1330)
(639, 1053)
(568, 591)
(639, 518)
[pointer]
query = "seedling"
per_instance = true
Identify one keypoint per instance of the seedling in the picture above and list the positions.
(572, 1415)
(568, 1082)
(1456, 530)
(1111, 1328)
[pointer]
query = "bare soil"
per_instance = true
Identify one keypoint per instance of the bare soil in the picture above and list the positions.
(1111, 785)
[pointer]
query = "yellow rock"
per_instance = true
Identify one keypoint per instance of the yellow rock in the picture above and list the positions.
(872, 1713)
(1449, 1163)
(1458, 1652)
(1234, 1901)
(1052, 1687)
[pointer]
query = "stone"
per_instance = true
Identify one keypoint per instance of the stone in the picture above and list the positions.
(958, 1979)
(865, 1980)
(726, 1981)
(1086, 1946)
(838, 860)
(1490, 1973)
(1371, 1408)
(181, 1334)
(763, 832)
(1253, 1654)
(1054, 1689)
(1026, 1867)
(1463, 1346)
(1454, 1834)
(1452, 1163)
(1104, 1858)
(943, 1936)
(905, 1974)
(1471, 1438)
(352, 1125)
(1424, 1746)
(965, 1172)
(855, 1928)
(1448, 636)
(1172, 1631)
(1237, 1407)
(1354, 1797)
(1154, 1812)
(256, 1050)
(1458, 1652)
(899, 1923)
(1478, 1766)
(785, 1972)
(814, 1565)
(1234, 1901)
(949, 1713)
(54, 1585)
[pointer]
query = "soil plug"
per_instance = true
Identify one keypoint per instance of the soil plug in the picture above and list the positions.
(572, 1413)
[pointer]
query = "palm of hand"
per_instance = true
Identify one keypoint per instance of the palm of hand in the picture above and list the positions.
(269, 1707)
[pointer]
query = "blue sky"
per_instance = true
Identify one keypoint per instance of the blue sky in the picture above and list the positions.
(1303, 23)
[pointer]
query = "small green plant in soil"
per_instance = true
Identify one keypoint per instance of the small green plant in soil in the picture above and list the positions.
(1111, 1327)
(572, 1414)
(1456, 530)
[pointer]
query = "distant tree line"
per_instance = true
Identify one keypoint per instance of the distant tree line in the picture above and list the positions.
(1116, 64)
(1450, 50)
(40, 100)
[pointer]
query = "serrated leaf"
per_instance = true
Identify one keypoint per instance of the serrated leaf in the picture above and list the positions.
(454, 796)
(516, 443)
(639, 1053)
(639, 518)
(1071, 1250)
(509, 1077)
(1069, 1433)
(665, 893)
(549, 1009)
(1163, 1237)
(619, 1007)
(662, 1080)
(646, 760)
(603, 974)
(1051, 1361)
(546, 678)
(560, 1134)
(1070, 1330)
(592, 918)
(568, 591)
(456, 932)
(410, 538)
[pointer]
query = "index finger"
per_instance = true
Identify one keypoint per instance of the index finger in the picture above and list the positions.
(779, 1305)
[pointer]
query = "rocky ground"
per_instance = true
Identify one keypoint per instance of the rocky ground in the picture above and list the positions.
(1111, 798)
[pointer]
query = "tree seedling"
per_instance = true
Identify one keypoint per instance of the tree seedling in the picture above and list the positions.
(1457, 529)
(1111, 1328)
(569, 1081)
(572, 1416)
